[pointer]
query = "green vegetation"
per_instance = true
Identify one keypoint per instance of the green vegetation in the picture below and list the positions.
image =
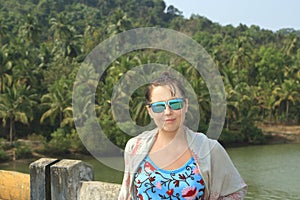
(43, 43)
(22, 151)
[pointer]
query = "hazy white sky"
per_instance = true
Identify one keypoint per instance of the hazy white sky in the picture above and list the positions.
(268, 14)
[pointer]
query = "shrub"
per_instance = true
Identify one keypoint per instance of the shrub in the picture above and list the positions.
(23, 151)
(253, 135)
(230, 137)
(59, 143)
(4, 145)
(76, 143)
(3, 156)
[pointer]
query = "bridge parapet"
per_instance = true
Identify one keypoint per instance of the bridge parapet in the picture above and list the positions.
(53, 179)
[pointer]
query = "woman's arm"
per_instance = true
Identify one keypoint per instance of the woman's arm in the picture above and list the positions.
(124, 192)
(226, 182)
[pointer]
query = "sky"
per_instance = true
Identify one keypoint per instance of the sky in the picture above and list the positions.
(267, 14)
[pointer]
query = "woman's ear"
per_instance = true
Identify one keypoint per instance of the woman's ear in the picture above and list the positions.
(149, 111)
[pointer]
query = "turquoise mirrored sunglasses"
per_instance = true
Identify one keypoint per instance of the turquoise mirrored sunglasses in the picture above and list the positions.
(174, 104)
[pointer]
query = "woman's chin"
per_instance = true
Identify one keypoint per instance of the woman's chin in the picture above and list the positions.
(170, 129)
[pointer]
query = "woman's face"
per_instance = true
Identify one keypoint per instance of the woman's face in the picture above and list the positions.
(168, 120)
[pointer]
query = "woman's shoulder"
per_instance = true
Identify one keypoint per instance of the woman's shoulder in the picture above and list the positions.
(199, 137)
(199, 142)
(144, 137)
(194, 136)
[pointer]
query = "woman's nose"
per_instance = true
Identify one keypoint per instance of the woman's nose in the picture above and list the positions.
(168, 110)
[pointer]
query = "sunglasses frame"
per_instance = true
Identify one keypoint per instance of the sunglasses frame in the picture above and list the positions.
(165, 103)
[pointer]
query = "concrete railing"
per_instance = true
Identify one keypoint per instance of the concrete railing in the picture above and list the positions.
(53, 179)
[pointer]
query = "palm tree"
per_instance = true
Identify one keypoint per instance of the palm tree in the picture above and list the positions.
(57, 101)
(30, 30)
(60, 28)
(266, 99)
(242, 54)
(16, 105)
(232, 112)
(286, 93)
(83, 95)
(5, 67)
(290, 44)
(64, 38)
(3, 30)
(118, 22)
(232, 96)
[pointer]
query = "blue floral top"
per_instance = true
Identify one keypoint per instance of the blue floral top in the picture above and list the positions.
(151, 182)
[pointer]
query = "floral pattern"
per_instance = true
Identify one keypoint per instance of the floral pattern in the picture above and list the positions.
(152, 182)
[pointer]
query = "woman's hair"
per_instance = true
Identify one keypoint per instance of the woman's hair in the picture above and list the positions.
(165, 79)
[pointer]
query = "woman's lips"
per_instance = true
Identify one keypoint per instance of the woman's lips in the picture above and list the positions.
(169, 120)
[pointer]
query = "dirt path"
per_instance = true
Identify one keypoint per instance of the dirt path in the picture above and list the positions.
(281, 133)
(281, 129)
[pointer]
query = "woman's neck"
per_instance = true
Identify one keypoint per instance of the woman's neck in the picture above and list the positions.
(170, 138)
(169, 147)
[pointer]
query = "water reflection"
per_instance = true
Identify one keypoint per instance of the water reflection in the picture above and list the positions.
(271, 195)
(271, 172)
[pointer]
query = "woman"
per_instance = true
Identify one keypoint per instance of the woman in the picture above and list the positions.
(172, 161)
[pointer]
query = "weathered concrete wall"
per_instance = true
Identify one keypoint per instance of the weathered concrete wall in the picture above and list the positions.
(40, 180)
(14, 186)
(52, 179)
(95, 190)
(66, 176)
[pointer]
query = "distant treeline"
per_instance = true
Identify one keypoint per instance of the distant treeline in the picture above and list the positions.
(43, 43)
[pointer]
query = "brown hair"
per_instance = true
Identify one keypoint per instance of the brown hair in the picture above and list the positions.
(165, 79)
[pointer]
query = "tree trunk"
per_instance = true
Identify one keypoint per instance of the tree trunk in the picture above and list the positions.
(2, 86)
(11, 126)
(60, 117)
(287, 113)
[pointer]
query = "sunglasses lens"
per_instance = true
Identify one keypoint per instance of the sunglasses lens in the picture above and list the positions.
(176, 104)
(158, 107)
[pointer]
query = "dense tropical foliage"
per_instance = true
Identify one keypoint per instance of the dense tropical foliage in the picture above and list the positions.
(43, 43)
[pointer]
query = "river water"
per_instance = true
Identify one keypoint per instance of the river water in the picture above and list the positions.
(271, 171)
